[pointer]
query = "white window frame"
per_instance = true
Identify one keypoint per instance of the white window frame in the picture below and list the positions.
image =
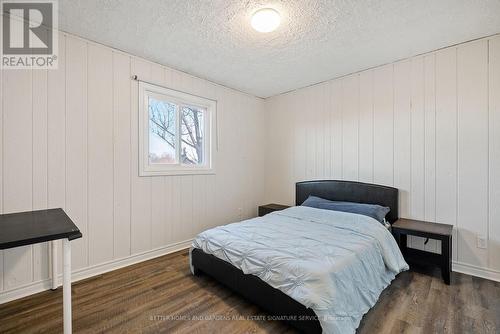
(180, 98)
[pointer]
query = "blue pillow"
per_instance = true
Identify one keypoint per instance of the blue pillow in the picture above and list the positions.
(371, 210)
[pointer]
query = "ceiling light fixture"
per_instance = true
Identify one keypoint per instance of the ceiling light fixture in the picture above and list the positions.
(265, 20)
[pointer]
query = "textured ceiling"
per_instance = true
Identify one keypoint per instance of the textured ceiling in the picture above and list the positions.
(317, 40)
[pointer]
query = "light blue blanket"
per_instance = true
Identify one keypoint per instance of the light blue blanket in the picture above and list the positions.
(336, 263)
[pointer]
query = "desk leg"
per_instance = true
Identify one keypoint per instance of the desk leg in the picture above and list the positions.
(67, 286)
(446, 259)
(53, 258)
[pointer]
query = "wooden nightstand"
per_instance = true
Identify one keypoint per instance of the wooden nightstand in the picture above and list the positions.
(403, 227)
(268, 208)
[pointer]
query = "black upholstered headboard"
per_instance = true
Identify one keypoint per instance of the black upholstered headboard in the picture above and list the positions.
(350, 191)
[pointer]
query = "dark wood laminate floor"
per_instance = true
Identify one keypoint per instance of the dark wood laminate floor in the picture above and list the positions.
(161, 296)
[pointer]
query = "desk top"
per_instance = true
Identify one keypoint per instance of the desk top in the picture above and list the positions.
(31, 227)
(423, 226)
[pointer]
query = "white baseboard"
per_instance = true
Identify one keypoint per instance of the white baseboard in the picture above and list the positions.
(476, 271)
(98, 269)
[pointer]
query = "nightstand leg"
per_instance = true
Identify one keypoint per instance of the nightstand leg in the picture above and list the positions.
(401, 241)
(446, 259)
(403, 244)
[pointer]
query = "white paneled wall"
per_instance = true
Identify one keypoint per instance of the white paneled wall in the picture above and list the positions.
(70, 139)
(429, 125)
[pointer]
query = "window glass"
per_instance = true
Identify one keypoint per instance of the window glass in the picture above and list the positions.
(162, 132)
(192, 135)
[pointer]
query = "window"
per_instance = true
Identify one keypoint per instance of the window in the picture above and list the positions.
(176, 132)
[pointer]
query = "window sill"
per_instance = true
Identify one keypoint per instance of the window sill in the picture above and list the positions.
(193, 171)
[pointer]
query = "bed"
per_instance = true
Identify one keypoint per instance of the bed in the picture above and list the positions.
(316, 269)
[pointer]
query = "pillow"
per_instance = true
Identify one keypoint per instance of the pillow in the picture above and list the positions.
(371, 210)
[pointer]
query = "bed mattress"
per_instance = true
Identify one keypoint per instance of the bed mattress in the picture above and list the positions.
(335, 263)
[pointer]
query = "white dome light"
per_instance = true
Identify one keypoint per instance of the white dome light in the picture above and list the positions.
(266, 20)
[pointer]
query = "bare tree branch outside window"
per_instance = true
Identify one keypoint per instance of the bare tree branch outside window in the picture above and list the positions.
(163, 133)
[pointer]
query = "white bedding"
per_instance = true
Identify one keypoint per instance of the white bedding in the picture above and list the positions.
(336, 263)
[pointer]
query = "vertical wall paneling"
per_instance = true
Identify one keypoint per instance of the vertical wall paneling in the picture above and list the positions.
(39, 139)
(402, 135)
(211, 180)
(56, 118)
(258, 159)
(198, 203)
(299, 147)
(205, 89)
(310, 138)
(224, 135)
(366, 126)
(18, 140)
(186, 189)
(273, 156)
(76, 145)
(383, 136)
(39, 155)
(446, 140)
(232, 150)
(196, 86)
(430, 144)
(221, 143)
(281, 151)
(40, 251)
(140, 186)
(350, 122)
(176, 208)
(278, 158)
(325, 107)
(494, 153)
(17, 166)
(417, 204)
(417, 138)
(242, 211)
(472, 78)
(226, 146)
(319, 134)
(100, 154)
(121, 154)
(56, 135)
(336, 128)
(168, 195)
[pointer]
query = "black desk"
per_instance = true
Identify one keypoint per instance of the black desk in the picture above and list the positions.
(26, 228)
